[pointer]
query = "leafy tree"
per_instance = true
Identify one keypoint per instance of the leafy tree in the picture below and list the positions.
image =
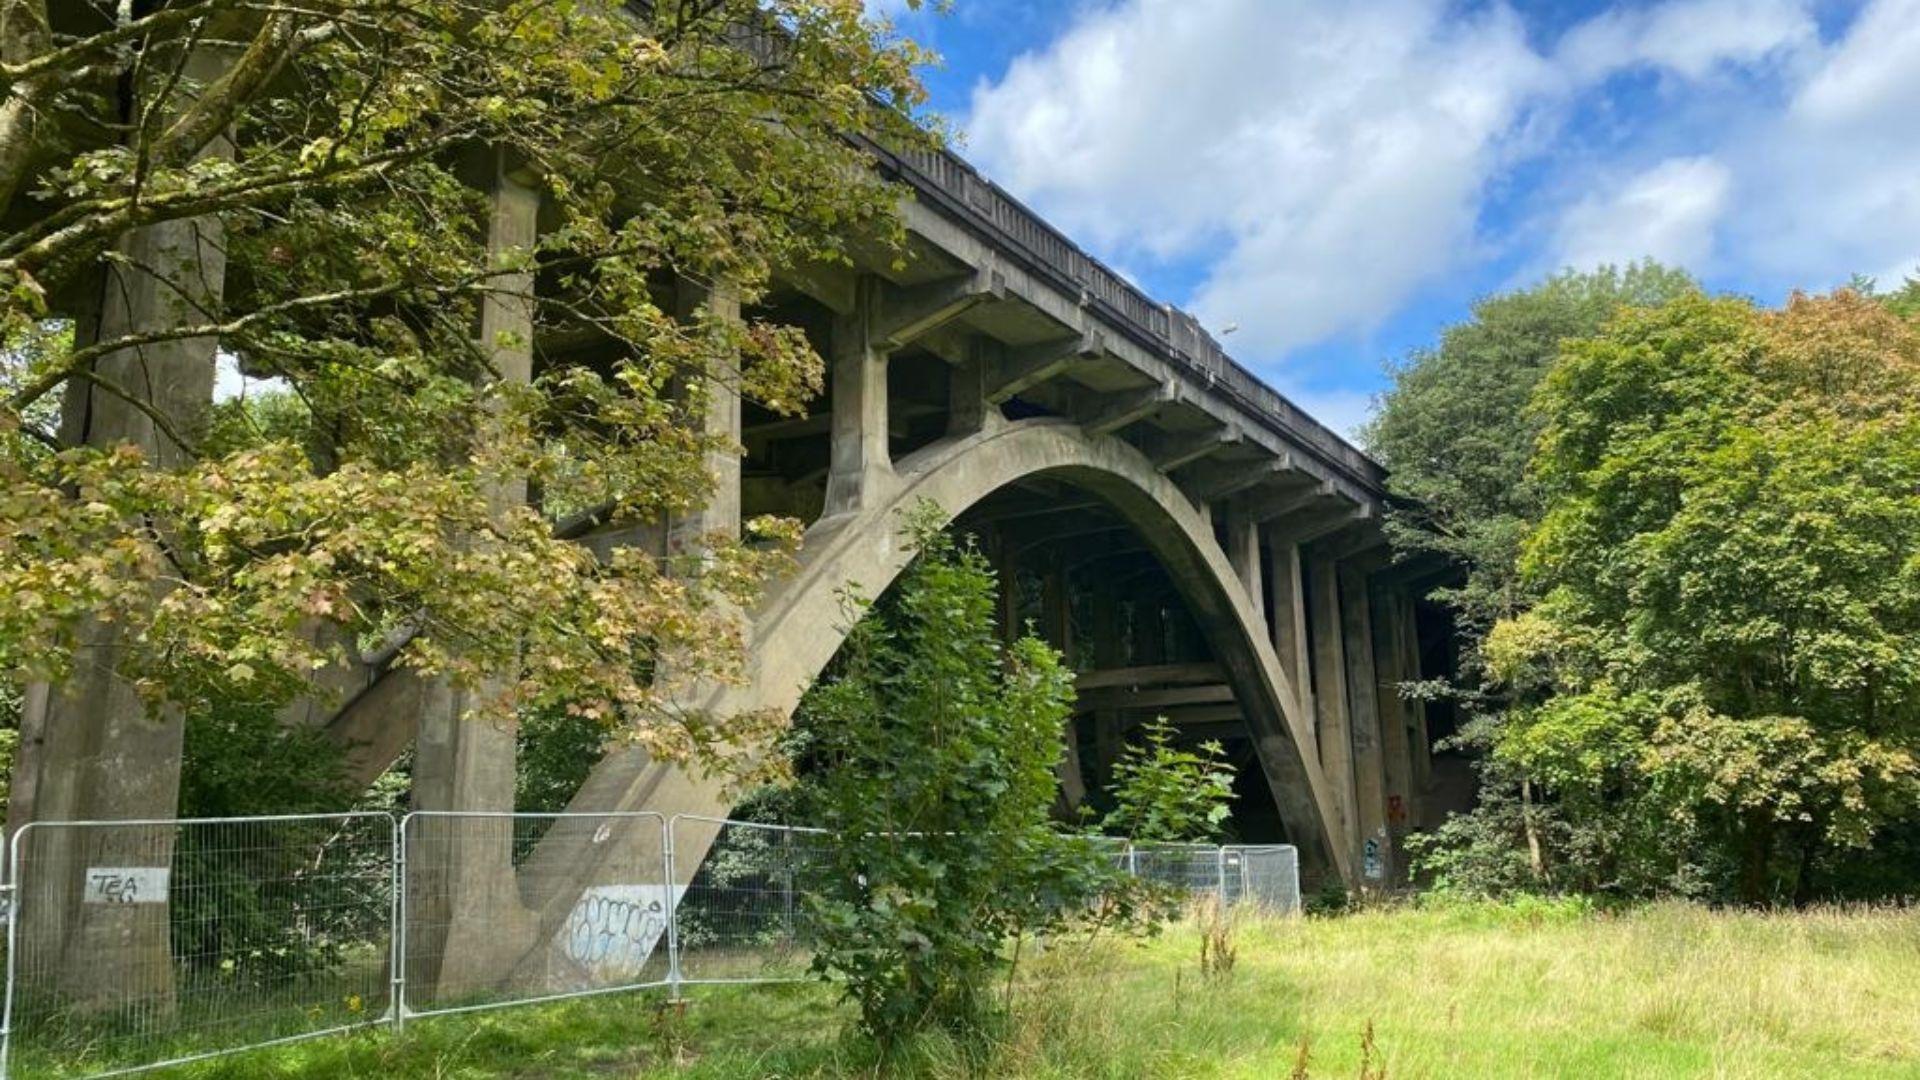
(931, 756)
(1722, 673)
(1456, 433)
(333, 153)
(1162, 792)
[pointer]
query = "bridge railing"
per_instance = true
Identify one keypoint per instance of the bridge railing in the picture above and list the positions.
(135, 945)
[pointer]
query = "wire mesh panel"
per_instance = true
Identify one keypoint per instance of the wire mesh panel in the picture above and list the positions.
(1268, 877)
(743, 916)
(502, 909)
(1190, 868)
(142, 943)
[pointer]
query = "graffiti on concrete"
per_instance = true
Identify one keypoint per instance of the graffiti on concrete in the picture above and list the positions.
(611, 933)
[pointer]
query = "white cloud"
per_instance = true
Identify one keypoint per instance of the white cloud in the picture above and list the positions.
(1324, 162)
(1315, 166)
(1326, 158)
(1667, 212)
(1691, 38)
(1896, 273)
(1835, 178)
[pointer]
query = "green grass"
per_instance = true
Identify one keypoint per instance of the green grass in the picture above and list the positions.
(1523, 991)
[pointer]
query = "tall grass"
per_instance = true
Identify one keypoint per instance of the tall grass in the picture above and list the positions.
(1529, 990)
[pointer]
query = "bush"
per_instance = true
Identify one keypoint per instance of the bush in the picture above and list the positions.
(933, 752)
(1162, 792)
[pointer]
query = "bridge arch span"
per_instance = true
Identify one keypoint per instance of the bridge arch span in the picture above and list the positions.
(799, 625)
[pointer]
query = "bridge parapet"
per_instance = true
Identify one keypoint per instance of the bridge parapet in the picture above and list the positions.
(948, 184)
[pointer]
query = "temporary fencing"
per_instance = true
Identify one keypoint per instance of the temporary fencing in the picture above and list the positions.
(137, 943)
(134, 945)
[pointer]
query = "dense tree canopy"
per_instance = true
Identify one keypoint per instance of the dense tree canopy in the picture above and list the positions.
(1456, 434)
(1728, 643)
(303, 189)
(1708, 668)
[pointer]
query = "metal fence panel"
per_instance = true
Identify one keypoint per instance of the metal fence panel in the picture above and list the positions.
(1191, 868)
(132, 945)
(742, 916)
(1269, 877)
(135, 944)
(504, 909)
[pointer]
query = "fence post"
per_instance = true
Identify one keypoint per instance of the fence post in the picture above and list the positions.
(673, 912)
(1220, 856)
(397, 937)
(14, 896)
(786, 851)
(1133, 860)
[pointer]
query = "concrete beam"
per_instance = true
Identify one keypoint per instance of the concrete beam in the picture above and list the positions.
(832, 285)
(1149, 675)
(1360, 537)
(1112, 413)
(1155, 699)
(908, 313)
(1170, 452)
(1223, 481)
(1022, 369)
(1184, 715)
(1317, 525)
(1290, 499)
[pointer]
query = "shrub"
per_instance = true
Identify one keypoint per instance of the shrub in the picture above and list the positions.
(932, 755)
(1167, 793)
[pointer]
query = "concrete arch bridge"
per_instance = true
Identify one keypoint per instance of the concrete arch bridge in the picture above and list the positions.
(1198, 545)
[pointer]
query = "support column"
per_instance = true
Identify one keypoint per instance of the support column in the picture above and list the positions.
(1369, 767)
(466, 892)
(1395, 749)
(1109, 652)
(1057, 628)
(1328, 657)
(1416, 710)
(1243, 548)
(968, 410)
(1286, 587)
(861, 466)
(89, 747)
(716, 403)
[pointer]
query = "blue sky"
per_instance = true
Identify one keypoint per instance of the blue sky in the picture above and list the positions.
(1341, 178)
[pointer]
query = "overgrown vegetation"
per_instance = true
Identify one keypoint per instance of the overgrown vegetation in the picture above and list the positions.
(1534, 988)
(931, 753)
(333, 158)
(1694, 620)
(1162, 791)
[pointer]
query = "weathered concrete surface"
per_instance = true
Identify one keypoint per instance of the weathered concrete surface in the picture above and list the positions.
(1369, 767)
(460, 762)
(791, 643)
(90, 749)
